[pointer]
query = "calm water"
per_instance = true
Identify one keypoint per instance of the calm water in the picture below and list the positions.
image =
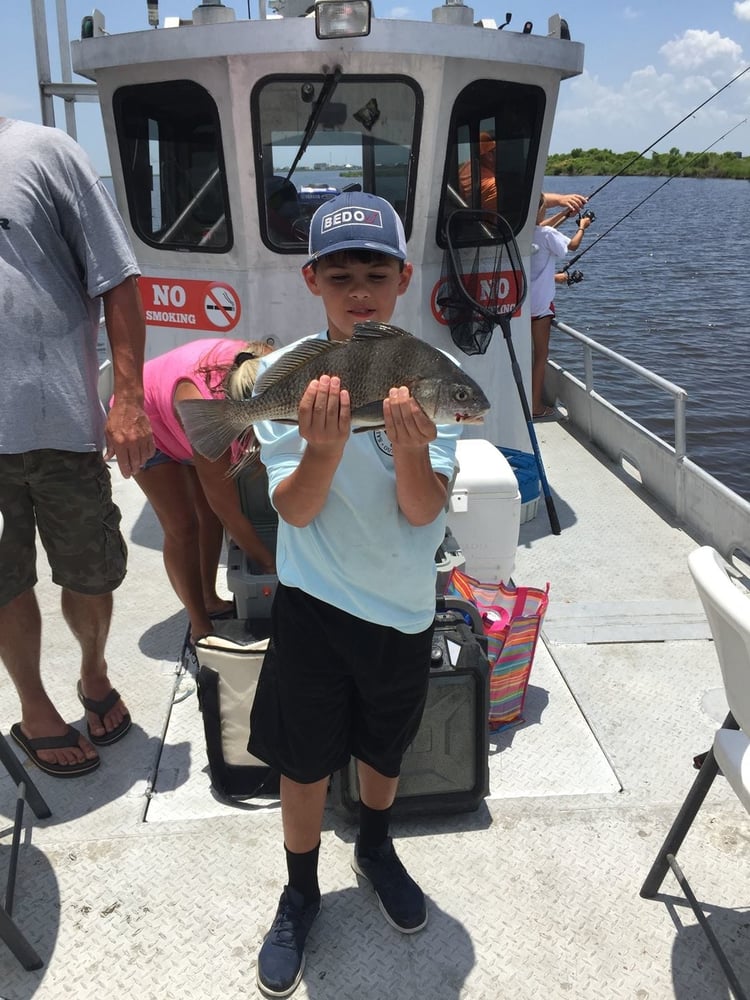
(669, 288)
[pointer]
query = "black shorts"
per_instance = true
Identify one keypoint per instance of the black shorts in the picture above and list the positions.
(67, 496)
(333, 686)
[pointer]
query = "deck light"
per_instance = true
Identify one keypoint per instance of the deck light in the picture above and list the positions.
(342, 18)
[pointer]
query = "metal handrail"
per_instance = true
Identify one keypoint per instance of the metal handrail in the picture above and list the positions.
(711, 511)
(679, 395)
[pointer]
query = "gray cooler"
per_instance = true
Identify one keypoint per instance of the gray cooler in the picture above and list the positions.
(253, 591)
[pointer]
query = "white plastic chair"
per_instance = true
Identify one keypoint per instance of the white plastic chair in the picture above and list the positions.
(728, 611)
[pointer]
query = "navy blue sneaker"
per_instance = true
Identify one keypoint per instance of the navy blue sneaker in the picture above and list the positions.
(401, 900)
(281, 959)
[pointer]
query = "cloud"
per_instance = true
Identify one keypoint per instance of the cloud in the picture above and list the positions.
(697, 48)
(742, 10)
(407, 14)
(630, 14)
(630, 116)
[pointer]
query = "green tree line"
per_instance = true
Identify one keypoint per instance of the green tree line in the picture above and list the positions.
(603, 162)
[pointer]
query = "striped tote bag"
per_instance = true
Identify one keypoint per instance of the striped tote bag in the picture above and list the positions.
(512, 618)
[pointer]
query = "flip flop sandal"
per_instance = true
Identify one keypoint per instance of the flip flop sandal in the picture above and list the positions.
(548, 411)
(220, 616)
(68, 739)
(101, 708)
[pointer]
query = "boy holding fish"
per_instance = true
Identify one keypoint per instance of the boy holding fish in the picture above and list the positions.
(361, 517)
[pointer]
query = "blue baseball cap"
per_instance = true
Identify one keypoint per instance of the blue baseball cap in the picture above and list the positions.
(356, 221)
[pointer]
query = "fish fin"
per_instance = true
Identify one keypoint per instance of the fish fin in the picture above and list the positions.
(291, 361)
(372, 330)
(212, 425)
(368, 416)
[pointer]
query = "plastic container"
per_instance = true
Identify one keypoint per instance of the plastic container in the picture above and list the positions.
(253, 591)
(524, 466)
(485, 511)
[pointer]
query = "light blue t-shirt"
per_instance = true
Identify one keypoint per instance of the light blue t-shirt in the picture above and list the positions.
(360, 553)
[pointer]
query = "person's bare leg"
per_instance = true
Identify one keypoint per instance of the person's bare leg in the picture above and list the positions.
(540, 334)
(20, 651)
(88, 617)
(210, 541)
(375, 789)
(302, 813)
(168, 490)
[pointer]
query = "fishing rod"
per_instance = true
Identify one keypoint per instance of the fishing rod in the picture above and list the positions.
(651, 195)
(688, 115)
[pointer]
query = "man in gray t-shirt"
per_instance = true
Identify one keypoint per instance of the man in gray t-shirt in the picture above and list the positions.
(64, 252)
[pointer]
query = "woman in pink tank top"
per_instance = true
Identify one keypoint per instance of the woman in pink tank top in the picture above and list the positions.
(194, 499)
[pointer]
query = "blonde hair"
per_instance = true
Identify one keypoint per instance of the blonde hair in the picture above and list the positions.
(240, 379)
(238, 384)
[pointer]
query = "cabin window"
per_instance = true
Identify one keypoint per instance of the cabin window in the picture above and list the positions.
(492, 150)
(318, 135)
(173, 166)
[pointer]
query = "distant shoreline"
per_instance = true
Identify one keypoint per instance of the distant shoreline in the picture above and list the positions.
(605, 163)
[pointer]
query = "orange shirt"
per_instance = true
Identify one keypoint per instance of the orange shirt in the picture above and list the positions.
(487, 183)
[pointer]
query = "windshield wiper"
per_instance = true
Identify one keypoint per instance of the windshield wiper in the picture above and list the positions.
(330, 83)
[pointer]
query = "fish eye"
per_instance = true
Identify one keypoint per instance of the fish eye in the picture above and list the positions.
(461, 394)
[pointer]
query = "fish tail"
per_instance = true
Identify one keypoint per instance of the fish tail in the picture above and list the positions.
(212, 425)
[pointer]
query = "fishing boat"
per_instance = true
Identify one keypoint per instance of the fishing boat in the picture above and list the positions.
(143, 882)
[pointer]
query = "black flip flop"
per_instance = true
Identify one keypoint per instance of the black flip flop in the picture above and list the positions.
(101, 708)
(68, 739)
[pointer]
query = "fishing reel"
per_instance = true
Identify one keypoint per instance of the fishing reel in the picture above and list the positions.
(588, 214)
(574, 277)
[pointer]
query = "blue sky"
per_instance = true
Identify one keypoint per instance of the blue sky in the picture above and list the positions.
(646, 66)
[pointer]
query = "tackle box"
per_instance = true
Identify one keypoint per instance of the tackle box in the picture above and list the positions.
(446, 767)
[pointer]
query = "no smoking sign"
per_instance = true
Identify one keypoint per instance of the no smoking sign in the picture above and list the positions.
(191, 304)
(222, 306)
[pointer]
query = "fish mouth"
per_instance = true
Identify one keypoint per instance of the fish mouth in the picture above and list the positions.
(466, 418)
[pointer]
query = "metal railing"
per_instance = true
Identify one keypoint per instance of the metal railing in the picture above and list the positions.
(710, 510)
(679, 395)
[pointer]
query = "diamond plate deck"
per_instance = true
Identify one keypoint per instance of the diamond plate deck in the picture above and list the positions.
(144, 885)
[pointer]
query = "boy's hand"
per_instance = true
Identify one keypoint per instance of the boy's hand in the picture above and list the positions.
(406, 423)
(325, 413)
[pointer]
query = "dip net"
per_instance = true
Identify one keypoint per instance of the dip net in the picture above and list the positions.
(483, 281)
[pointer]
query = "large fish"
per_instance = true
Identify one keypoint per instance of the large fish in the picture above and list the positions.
(377, 358)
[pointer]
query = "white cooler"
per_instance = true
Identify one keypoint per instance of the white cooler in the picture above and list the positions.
(485, 511)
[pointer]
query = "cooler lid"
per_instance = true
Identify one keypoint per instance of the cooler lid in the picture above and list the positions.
(483, 469)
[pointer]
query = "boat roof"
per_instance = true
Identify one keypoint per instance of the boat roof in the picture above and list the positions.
(144, 883)
(286, 36)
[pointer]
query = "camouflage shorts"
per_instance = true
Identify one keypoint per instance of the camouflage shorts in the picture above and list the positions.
(67, 496)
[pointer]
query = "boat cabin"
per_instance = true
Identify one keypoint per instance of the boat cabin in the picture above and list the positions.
(224, 136)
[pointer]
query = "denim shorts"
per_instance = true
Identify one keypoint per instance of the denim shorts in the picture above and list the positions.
(333, 686)
(161, 458)
(67, 497)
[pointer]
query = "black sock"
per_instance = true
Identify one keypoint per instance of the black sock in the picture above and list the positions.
(303, 873)
(373, 826)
